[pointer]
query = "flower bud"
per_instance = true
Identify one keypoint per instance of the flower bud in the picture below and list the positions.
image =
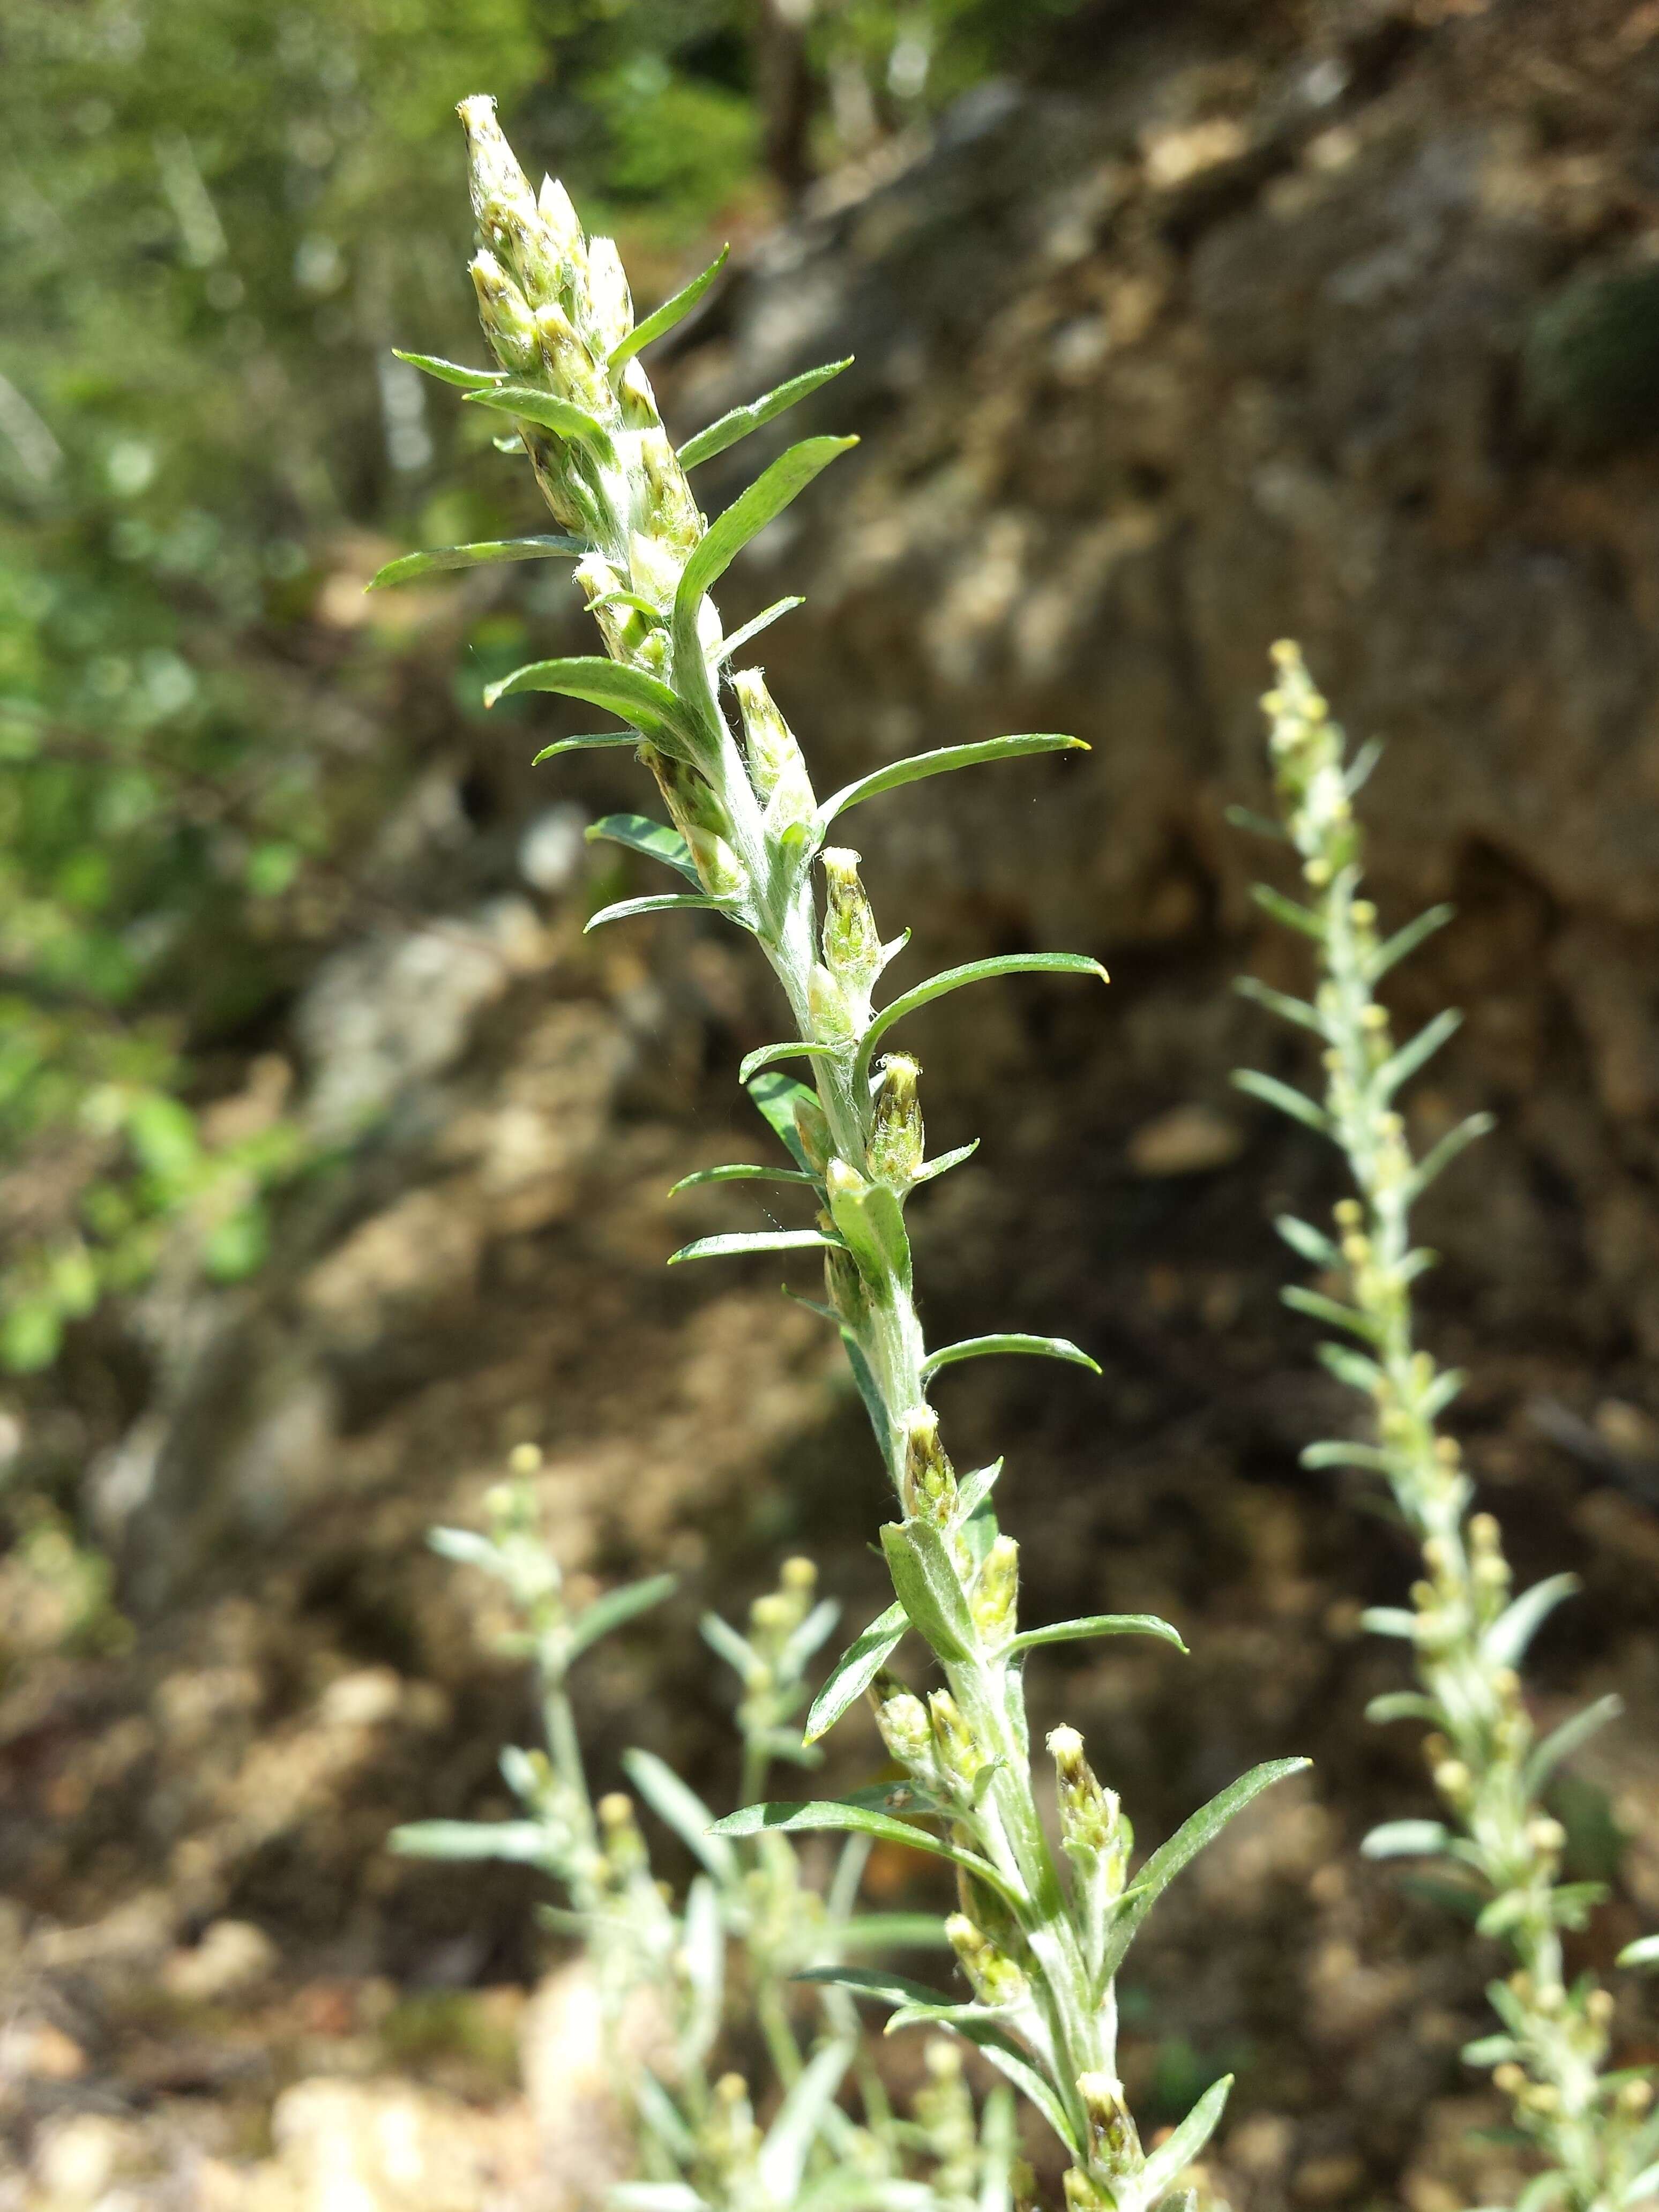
(852, 943)
(843, 1285)
(1093, 1831)
(1113, 2143)
(896, 1137)
(928, 1488)
(557, 212)
(992, 1974)
(671, 512)
(902, 1720)
(654, 568)
(609, 302)
(959, 1755)
(624, 1846)
(777, 767)
(996, 1592)
(505, 314)
(812, 1133)
(574, 373)
(827, 1002)
(495, 179)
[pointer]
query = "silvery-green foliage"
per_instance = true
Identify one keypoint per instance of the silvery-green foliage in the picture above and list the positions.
(1467, 1631)
(1040, 1934)
(749, 1925)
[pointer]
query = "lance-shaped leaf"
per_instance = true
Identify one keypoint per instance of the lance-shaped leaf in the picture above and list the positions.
(975, 971)
(998, 2142)
(871, 1220)
(1309, 1242)
(755, 1240)
(746, 517)
(1318, 1307)
(921, 765)
(1278, 1002)
(1644, 1951)
(662, 319)
(658, 2109)
(1390, 1620)
(1434, 1163)
(789, 1048)
(1300, 918)
(591, 741)
(629, 692)
(829, 1815)
(468, 1548)
(1406, 1839)
(613, 1609)
(659, 903)
(776, 1098)
(682, 1810)
(1504, 1644)
(977, 1488)
(562, 417)
(451, 372)
(980, 1347)
(783, 2154)
(868, 1388)
(1405, 1705)
(1188, 1841)
(1284, 1097)
(1099, 1624)
(1349, 1366)
(891, 1932)
(739, 1171)
(1406, 940)
(927, 1586)
(945, 1162)
(734, 645)
(856, 1668)
(1561, 1742)
(1177, 2152)
(524, 1842)
(655, 840)
(741, 421)
(1258, 825)
(1336, 1451)
(1400, 1067)
(485, 555)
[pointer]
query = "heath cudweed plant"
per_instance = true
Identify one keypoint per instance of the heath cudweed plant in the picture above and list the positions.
(1041, 1934)
(1467, 1632)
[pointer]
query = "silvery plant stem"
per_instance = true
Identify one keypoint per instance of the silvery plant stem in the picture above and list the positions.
(1467, 1632)
(1039, 1948)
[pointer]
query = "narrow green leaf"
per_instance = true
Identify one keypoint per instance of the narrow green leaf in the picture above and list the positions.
(746, 517)
(1349, 1366)
(945, 1162)
(1337, 1452)
(1280, 1003)
(1099, 1624)
(872, 1982)
(742, 420)
(868, 1388)
(1164, 2164)
(616, 1607)
(1561, 1742)
(1504, 1644)
(483, 554)
(1406, 1839)
(790, 1048)
(1490, 2050)
(1016, 2067)
(978, 1347)
(975, 971)
(977, 1488)
(1435, 1162)
(758, 1240)
(561, 416)
(657, 902)
(451, 372)
(921, 765)
(734, 645)
(523, 1842)
(654, 839)
(999, 2140)
(682, 1810)
(1643, 1953)
(1185, 1844)
(1283, 1095)
(592, 741)
(603, 682)
(1405, 1705)
(828, 1815)
(783, 2154)
(739, 1171)
(1358, 774)
(740, 1654)
(1299, 918)
(1306, 1242)
(1317, 1307)
(1406, 940)
(853, 1672)
(891, 1932)
(1258, 825)
(467, 1548)
(662, 319)
(925, 1578)
(775, 1098)
(1390, 1620)
(1402, 1066)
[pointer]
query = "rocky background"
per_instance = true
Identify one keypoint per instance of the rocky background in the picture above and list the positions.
(1335, 320)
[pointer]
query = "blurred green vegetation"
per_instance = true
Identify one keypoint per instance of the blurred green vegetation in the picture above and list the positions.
(217, 216)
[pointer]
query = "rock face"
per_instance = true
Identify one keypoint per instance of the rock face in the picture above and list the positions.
(1336, 321)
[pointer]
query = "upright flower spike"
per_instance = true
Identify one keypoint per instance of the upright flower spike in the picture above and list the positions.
(1466, 1633)
(746, 825)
